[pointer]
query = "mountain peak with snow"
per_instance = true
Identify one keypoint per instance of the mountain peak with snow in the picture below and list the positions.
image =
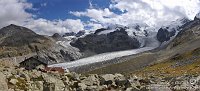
(197, 16)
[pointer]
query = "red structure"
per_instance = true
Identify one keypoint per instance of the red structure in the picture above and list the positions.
(55, 69)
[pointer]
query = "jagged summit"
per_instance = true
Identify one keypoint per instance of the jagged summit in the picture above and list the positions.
(78, 34)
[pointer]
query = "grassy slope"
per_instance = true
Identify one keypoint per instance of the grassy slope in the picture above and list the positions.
(187, 63)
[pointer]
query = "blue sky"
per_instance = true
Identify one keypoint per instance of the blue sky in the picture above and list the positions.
(59, 9)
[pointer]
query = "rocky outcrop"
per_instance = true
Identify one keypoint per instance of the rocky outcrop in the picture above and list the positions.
(197, 17)
(114, 41)
(19, 43)
(100, 30)
(57, 37)
(69, 34)
(78, 34)
(164, 34)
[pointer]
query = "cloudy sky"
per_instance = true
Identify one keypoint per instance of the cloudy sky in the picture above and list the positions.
(61, 16)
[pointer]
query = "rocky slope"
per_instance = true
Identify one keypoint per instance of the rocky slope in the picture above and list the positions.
(19, 79)
(18, 43)
(16, 40)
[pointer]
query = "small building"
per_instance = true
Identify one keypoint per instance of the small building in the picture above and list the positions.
(55, 69)
(33, 62)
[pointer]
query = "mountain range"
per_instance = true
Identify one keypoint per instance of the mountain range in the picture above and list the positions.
(19, 43)
(179, 57)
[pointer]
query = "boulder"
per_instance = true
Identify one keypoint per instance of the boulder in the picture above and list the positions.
(102, 88)
(26, 76)
(35, 86)
(82, 86)
(53, 83)
(91, 88)
(91, 80)
(3, 83)
(107, 79)
(13, 81)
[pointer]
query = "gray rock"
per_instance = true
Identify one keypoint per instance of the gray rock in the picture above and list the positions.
(164, 34)
(13, 81)
(91, 80)
(82, 86)
(35, 86)
(3, 83)
(107, 79)
(53, 83)
(102, 88)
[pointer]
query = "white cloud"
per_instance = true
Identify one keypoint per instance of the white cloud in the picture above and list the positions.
(154, 13)
(47, 27)
(98, 15)
(94, 26)
(90, 4)
(13, 11)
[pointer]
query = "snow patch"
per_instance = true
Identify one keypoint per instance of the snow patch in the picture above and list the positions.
(106, 31)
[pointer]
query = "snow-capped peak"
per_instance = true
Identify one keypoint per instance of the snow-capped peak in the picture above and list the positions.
(175, 25)
(132, 30)
(114, 26)
(198, 16)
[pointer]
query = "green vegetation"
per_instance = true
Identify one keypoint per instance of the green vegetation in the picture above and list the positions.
(178, 65)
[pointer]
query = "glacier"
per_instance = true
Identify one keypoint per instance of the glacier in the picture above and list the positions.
(100, 58)
(152, 43)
